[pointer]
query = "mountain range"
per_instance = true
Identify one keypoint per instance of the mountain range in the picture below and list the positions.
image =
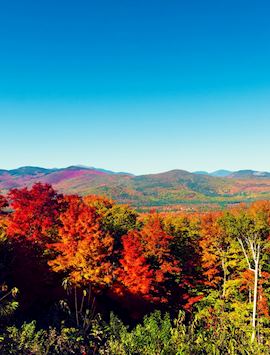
(175, 189)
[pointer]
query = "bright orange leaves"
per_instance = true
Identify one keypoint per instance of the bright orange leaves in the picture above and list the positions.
(83, 249)
(213, 247)
(156, 245)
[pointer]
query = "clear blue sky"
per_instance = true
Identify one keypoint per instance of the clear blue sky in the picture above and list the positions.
(139, 86)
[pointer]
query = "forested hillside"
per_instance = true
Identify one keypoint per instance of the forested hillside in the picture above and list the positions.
(85, 275)
(173, 190)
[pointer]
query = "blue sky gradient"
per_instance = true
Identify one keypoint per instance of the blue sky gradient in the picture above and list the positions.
(139, 86)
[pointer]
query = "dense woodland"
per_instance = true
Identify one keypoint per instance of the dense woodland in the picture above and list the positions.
(84, 275)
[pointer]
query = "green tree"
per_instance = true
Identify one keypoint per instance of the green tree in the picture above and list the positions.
(251, 229)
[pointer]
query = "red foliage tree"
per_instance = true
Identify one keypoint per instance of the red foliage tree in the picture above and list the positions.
(134, 273)
(147, 265)
(33, 222)
(35, 214)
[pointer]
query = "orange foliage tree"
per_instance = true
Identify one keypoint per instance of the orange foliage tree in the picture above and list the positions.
(83, 250)
(213, 250)
(156, 245)
(157, 248)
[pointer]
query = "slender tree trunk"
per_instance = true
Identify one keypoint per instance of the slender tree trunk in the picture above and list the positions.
(255, 297)
(255, 249)
(76, 306)
(249, 295)
(224, 277)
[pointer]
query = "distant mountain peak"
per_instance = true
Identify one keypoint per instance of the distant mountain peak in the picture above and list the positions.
(248, 174)
(76, 167)
(221, 173)
(201, 172)
(29, 170)
(217, 173)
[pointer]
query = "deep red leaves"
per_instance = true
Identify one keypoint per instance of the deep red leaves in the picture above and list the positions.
(35, 213)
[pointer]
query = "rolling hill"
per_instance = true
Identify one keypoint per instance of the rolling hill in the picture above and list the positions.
(175, 189)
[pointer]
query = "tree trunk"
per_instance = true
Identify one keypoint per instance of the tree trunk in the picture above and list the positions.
(224, 277)
(76, 306)
(255, 297)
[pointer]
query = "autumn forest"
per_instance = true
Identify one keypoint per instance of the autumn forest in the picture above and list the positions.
(85, 275)
(134, 177)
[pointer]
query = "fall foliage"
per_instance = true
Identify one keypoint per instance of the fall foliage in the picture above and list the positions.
(88, 253)
(35, 213)
(82, 248)
(134, 272)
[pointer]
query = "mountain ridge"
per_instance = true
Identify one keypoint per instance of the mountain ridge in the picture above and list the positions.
(171, 188)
